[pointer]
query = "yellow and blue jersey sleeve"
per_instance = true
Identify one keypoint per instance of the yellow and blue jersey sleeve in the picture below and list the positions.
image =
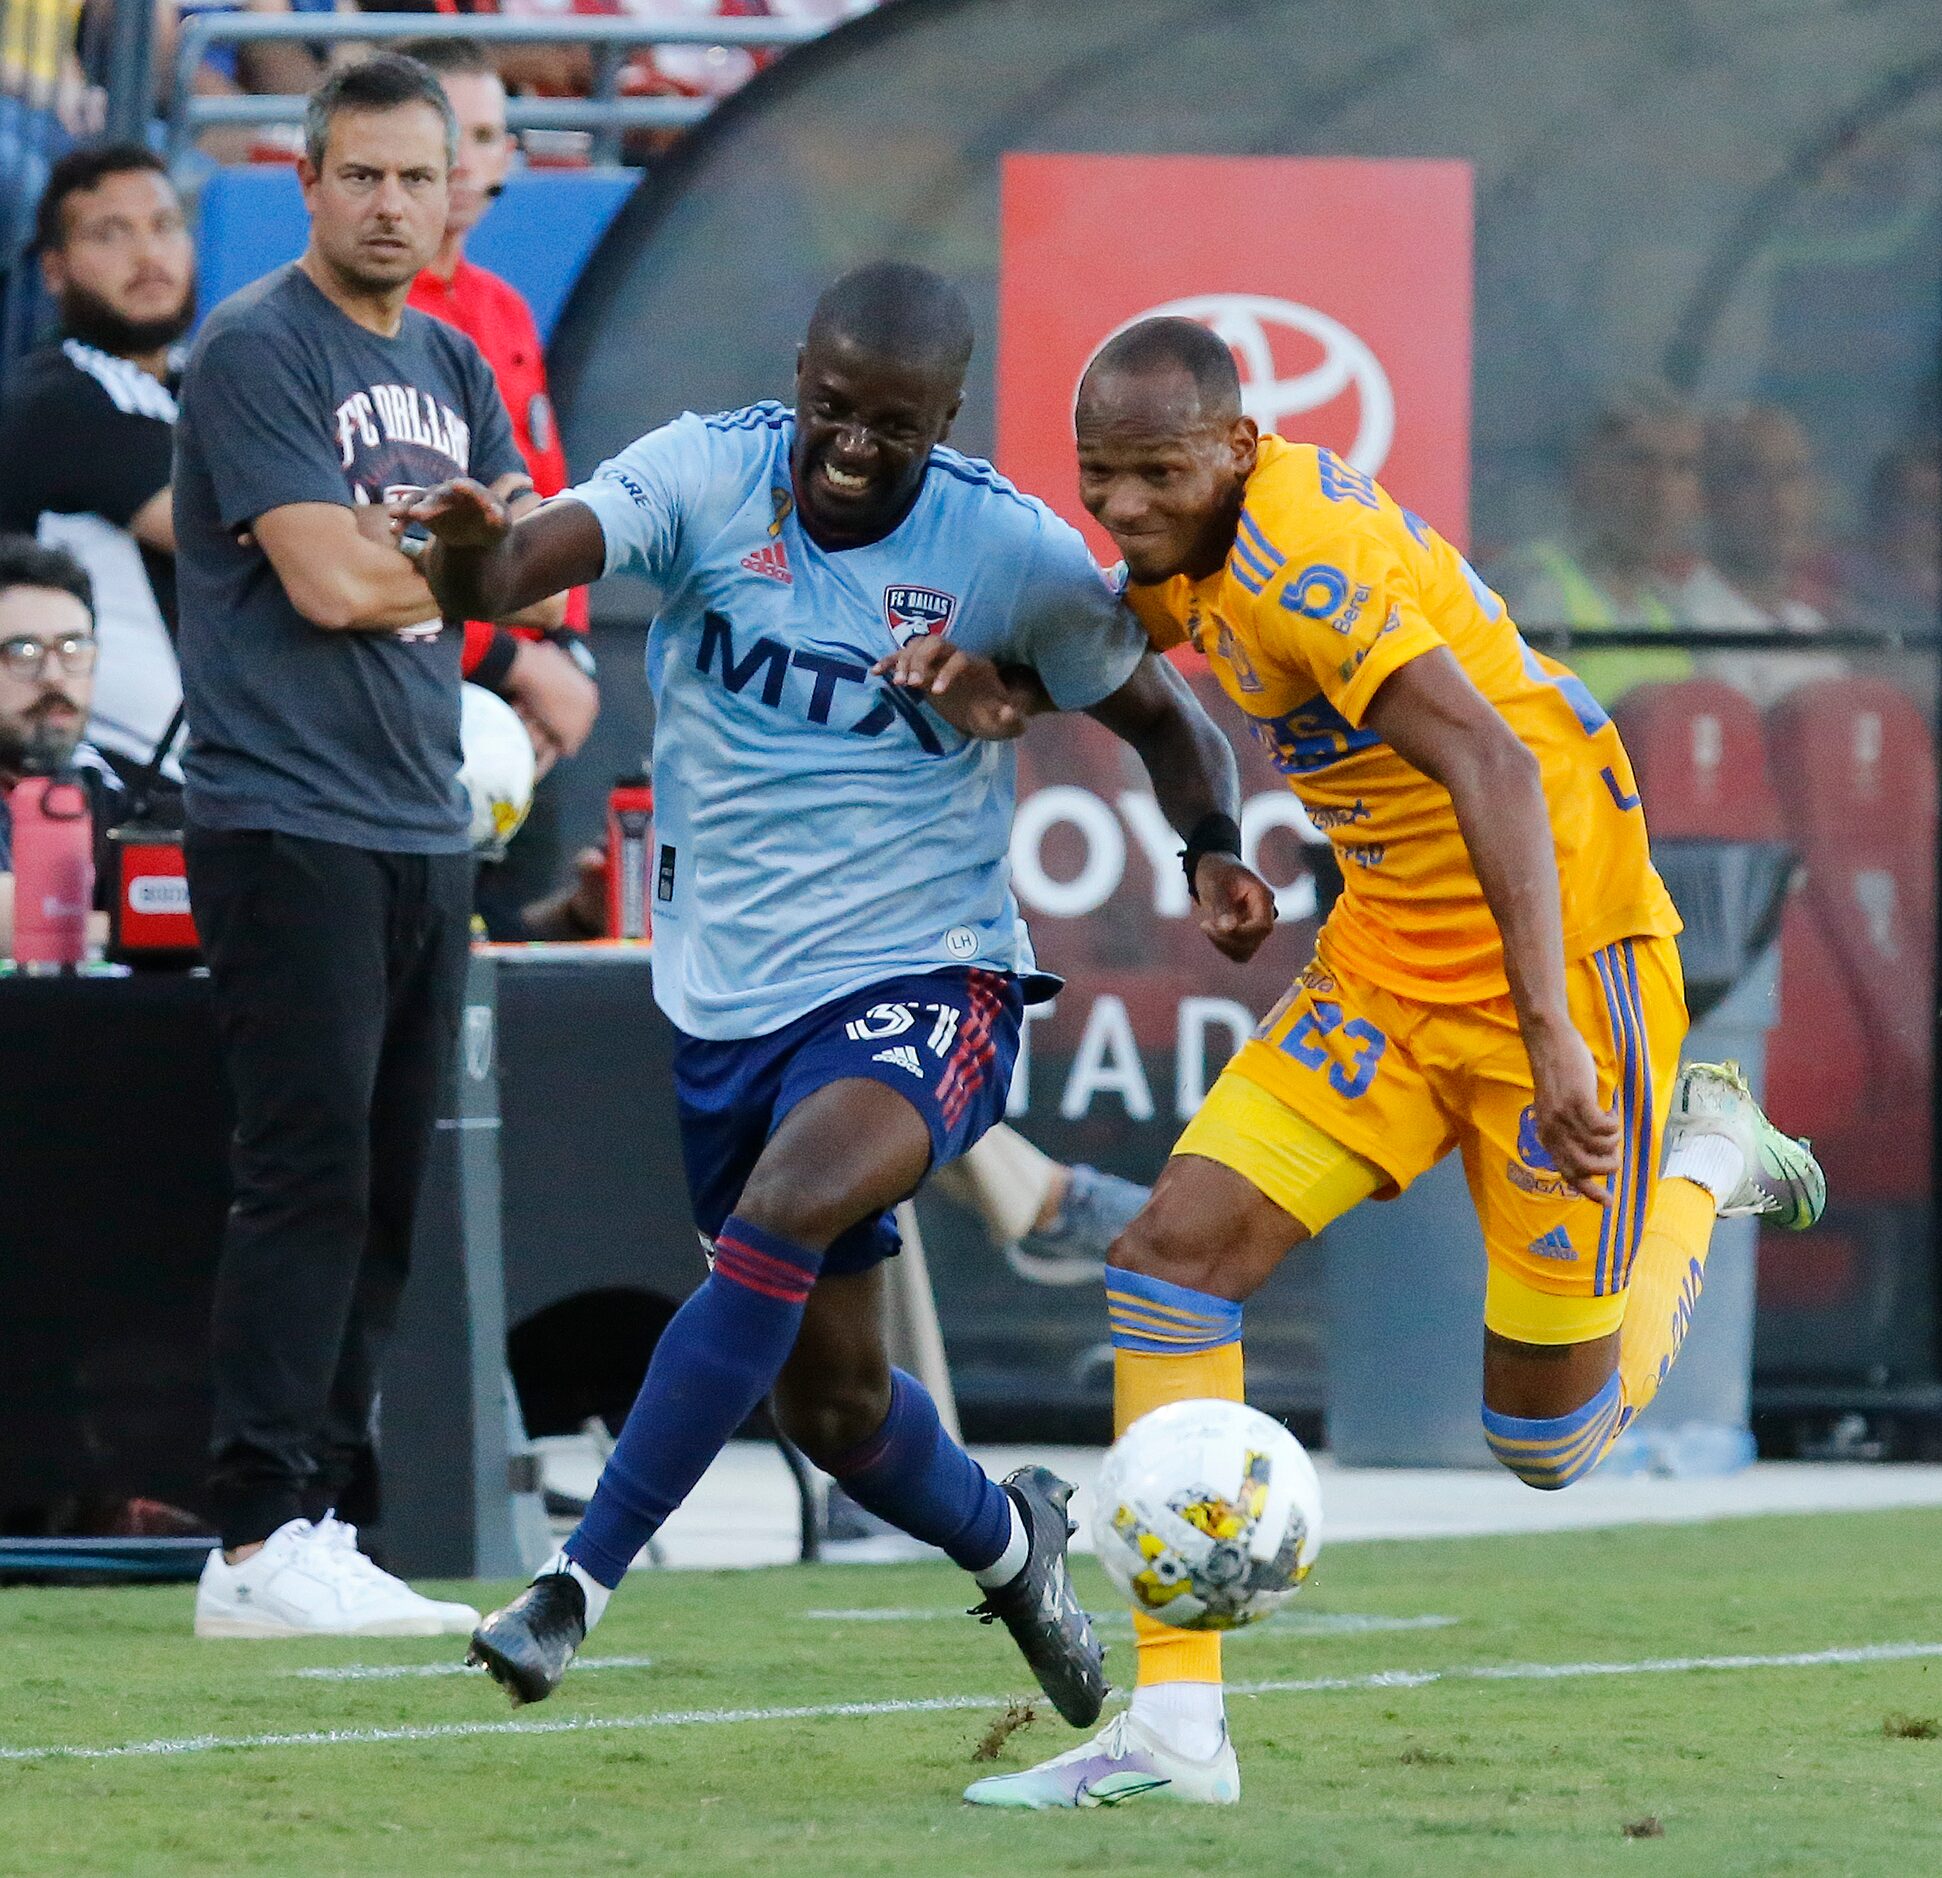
(1337, 601)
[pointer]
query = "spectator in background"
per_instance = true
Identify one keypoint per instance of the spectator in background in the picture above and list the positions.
(1635, 509)
(544, 672)
(46, 670)
(1763, 537)
(87, 427)
(1891, 579)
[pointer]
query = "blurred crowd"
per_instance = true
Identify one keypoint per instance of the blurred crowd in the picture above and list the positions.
(1718, 521)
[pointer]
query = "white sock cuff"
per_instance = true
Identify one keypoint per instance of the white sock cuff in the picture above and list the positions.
(1709, 1161)
(1185, 1716)
(597, 1593)
(1011, 1561)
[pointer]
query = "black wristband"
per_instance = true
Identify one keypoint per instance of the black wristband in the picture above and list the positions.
(499, 654)
(1212, 834)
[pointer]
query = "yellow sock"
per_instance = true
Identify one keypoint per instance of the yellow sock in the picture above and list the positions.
(1143, 1382)
(1666, 1277)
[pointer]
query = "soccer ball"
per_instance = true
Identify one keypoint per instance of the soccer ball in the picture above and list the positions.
(1207, 1515)
(498, 768)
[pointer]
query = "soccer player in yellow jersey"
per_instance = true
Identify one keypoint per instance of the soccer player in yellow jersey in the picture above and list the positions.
(1499, 976)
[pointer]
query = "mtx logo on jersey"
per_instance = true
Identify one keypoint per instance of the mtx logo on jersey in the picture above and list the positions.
(913, 612)
(1534, 1170)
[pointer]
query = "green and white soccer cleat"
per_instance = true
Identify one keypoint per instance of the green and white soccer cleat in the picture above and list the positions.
(1782, 1180)
(1122, 1762)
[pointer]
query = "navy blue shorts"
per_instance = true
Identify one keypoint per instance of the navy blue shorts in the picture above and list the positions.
(946, 1041)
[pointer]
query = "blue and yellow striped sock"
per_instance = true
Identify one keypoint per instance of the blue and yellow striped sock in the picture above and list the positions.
(1170, 1344)
(1554, 1450)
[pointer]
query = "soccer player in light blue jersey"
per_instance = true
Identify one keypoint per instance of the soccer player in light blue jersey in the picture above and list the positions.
(836, 940)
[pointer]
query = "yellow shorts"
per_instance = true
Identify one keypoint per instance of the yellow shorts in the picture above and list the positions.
(1349, 1091)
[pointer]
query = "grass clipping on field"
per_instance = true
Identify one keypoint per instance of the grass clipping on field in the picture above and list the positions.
(1650, 1827)
(1017, 1715)
(1911, 1727)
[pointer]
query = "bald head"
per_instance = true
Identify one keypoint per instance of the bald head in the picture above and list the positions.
(890, 310)
(1172, 370)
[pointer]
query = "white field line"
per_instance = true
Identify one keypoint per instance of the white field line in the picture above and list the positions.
(1305, 1623)
(944, 1704)
(385, 1672)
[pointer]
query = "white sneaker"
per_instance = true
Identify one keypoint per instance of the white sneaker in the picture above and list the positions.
(1122, 1762)
(1782, 1180)
(312, 1581)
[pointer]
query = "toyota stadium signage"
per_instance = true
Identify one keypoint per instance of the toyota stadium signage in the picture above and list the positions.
(1342, 285)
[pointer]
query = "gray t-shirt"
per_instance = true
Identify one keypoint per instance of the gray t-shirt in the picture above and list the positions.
(342, 736)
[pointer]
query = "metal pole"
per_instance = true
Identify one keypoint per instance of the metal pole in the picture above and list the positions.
(129, 74)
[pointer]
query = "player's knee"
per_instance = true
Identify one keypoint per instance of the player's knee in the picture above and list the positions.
(1155, 1247)
(807, 1208)
(834, 1416)
(1552, 1451)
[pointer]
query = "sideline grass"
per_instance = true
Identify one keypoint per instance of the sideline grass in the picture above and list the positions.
(1833, 1770)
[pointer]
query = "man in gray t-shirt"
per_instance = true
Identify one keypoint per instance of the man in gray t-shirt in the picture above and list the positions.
(327, 834)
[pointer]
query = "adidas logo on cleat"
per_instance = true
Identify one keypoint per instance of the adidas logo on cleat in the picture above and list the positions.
(1555, 1244)
(771, 563)
(904, 1056)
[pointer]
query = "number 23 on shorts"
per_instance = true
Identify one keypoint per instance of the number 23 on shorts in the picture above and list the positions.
(1357, 1049)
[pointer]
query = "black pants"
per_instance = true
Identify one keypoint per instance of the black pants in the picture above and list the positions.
(338, 974)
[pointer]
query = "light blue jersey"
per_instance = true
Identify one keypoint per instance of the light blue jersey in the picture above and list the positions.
(815, 828)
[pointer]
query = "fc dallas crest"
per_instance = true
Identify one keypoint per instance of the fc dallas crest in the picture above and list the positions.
(911, 612)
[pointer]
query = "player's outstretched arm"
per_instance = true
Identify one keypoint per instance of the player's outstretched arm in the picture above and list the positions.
(1198, 786)
(1432, 716)
(484, 565)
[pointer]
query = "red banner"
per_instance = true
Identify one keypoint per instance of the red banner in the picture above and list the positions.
(1342, 284)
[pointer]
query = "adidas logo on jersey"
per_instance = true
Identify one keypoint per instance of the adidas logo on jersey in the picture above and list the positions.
(904, 1055)
(1555, 1244)
(770, 562)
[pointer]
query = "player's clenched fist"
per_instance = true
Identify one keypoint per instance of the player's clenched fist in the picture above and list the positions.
(461, 513)
(1578, 1131)
(1236, 906)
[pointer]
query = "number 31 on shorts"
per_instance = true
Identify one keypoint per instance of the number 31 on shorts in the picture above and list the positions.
(1356, 1051)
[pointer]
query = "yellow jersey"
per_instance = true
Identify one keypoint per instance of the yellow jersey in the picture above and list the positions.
(1330, 588)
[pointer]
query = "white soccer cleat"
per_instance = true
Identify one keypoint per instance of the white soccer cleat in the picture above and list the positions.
(1781, 1180)
(312, 1581)
(1122, 1762)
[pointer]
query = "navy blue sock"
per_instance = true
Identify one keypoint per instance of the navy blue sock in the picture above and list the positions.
(718, 1358)
(913, 1474)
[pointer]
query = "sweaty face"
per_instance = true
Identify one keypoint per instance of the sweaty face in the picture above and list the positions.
(485, 146)
(865, 430)
(379, 202)
(1164, 478)
(124, 274)
(41, 718)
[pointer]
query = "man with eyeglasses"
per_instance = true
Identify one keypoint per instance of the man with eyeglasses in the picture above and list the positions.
(87, 427)
(47, 653)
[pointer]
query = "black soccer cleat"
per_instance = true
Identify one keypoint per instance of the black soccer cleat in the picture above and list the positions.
(1038, 1606)
(527, 1646)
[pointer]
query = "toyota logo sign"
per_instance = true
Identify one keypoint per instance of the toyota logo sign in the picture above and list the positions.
(1267, 336)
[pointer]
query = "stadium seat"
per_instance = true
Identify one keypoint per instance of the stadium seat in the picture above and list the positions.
(1697, 749)
(1855, 768)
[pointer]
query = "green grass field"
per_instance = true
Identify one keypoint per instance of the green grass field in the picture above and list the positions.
(1824, 1768)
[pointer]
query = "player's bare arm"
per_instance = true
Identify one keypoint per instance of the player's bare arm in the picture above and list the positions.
(1198, 786)
(1432, 716)
(485, 564)
(972, 694)
(341, 575)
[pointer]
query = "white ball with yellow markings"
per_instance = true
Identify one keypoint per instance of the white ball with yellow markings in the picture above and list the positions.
(498, 770)
(1207, 1515)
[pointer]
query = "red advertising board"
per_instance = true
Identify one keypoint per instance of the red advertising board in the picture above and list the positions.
(1342, 283)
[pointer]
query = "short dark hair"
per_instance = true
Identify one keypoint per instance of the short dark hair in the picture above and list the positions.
(1148, 345)
(385, 83)
(454, 56)
(894, 310)
(24, 562)
(81, 170)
